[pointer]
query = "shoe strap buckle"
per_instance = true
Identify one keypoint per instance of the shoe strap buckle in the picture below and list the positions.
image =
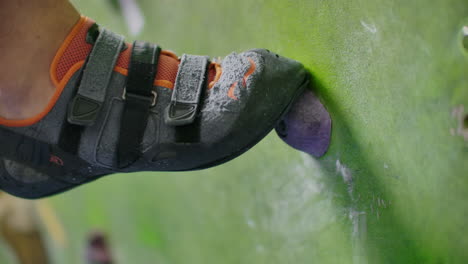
(152, 100)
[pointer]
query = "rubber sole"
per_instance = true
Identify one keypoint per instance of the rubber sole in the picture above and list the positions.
(274, 122)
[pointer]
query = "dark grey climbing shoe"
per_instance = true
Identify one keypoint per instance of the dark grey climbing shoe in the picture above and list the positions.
(105, 122)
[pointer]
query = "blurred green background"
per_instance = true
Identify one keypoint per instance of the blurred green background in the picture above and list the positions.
(393, 187)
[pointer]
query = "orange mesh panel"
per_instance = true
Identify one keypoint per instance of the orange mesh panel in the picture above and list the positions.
(75, 52)
(124, 58)
(211, 73)
(167, 68)
(79, 49)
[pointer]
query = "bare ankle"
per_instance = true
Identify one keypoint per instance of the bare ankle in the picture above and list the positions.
(29, 40)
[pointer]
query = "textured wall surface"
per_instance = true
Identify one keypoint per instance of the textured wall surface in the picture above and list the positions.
(392, 189)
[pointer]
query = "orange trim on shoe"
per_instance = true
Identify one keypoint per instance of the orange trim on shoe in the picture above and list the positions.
(53, 68)
(76, 30)
(249, 72)
(219, 71)
(231, 91)
(161, 83)
(61, 83)
(170, 54)
(59, 86)
(48, 108)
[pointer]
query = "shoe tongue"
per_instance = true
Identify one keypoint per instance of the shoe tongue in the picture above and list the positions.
(75, 50)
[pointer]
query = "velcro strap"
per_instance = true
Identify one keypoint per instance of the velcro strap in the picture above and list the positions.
(42, 156)
(187, 90)
(96, 77)
(24, 149)
(139, 98)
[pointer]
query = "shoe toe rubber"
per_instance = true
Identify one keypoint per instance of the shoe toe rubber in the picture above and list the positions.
(264, 86)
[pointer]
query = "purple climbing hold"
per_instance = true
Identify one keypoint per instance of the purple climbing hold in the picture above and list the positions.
(307, 126)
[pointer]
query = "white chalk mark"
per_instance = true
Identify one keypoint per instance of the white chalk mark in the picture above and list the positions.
(359, 222)
(369, 27)
(358, 218)
(344, 171)
(359, 234)
(347, 177)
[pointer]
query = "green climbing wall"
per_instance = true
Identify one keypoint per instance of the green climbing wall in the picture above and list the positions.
(392, 189)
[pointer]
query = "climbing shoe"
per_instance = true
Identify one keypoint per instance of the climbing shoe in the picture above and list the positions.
(121, 107)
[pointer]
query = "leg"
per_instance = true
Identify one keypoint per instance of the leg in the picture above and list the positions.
(30, 35)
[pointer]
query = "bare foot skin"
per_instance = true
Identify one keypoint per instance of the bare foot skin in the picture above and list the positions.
(29, 42)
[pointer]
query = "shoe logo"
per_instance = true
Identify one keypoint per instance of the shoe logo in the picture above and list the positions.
(56, 160)
(244, 79)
